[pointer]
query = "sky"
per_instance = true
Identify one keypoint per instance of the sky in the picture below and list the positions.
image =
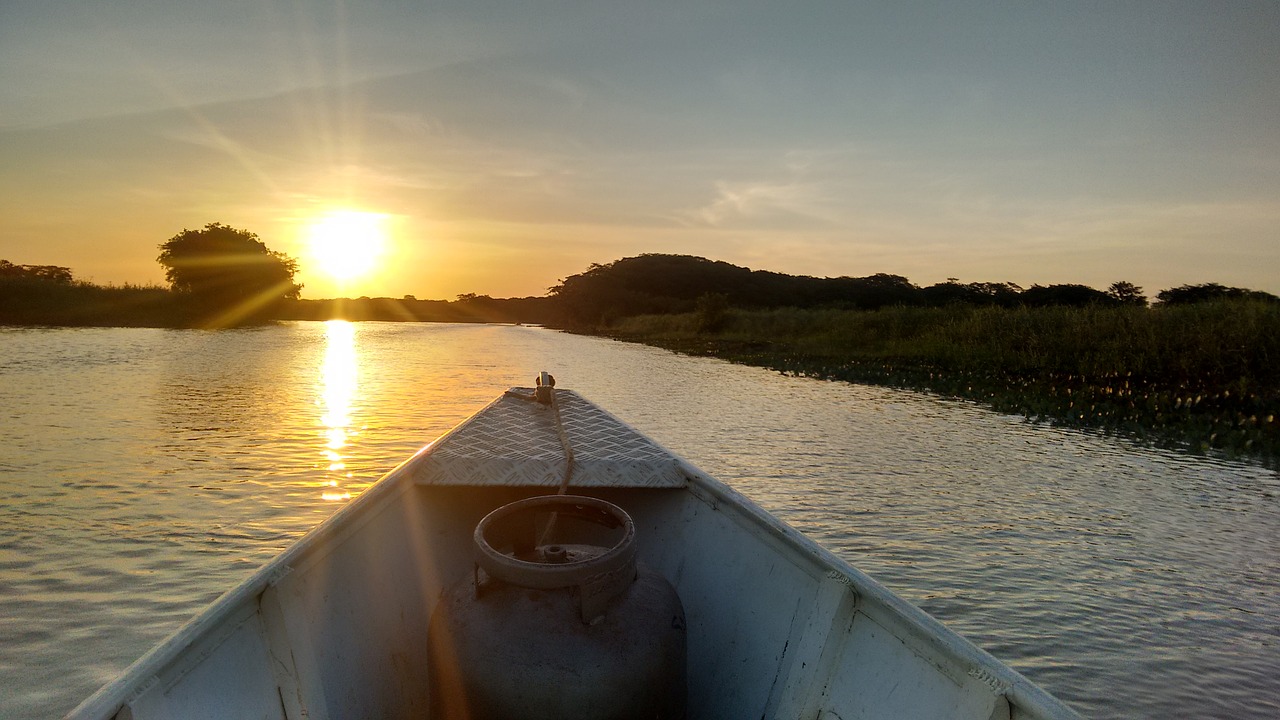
(500, 147)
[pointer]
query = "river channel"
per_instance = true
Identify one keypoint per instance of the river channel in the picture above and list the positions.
(144, 471)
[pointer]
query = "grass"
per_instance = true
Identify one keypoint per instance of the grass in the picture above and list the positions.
(1203, 376)
(28, 301)
(33, 301)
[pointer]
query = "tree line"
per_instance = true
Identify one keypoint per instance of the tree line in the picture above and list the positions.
(218, 276)
(657, 284)
(221, 276)
(39, 273)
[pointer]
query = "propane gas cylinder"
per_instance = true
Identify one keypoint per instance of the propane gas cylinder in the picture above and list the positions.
(558, 620)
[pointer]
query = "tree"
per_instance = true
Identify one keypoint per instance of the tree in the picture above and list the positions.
(50, 273)
(220, 267)
(1126, 293)
(1068, 294)
(656, 283)
(951, 292)
(1209, 292)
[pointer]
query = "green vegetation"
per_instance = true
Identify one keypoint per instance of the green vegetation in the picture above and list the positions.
(218, 276)
(50, 295)
(467, 308)
(28, 301)
(228, 276)
(1200, 369)
(222, 277)
(1199, 375)
(662, 284)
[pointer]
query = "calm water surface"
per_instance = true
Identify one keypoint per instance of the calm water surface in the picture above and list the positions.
(143, 472)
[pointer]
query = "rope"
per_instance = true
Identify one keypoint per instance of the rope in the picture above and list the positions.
(564, 443)
(549, 391)
(560, 431)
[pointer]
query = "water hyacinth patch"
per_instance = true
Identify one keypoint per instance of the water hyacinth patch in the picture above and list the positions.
(1201, 377)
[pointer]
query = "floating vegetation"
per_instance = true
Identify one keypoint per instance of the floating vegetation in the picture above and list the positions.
(1203, 378)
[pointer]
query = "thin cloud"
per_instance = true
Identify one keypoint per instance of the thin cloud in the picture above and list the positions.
(762, 202)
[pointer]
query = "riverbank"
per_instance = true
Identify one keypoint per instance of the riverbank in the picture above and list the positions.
(26, 301)
(1202, 377)
(34, 301)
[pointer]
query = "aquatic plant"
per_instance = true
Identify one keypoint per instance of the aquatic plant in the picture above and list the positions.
(1202, 376)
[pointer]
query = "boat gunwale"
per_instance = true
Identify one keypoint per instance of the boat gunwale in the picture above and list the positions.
(1002, 679)
(933, 633)
(144, 672)
(1006, 681)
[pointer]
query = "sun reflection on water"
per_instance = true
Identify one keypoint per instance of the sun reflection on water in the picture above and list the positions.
(339, 380)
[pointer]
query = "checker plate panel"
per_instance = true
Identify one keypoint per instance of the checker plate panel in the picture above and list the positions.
(514, 442)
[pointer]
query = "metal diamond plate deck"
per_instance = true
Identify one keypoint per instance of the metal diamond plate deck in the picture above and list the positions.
(514, 442)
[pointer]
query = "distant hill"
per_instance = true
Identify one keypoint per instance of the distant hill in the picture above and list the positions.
(657, 283)
(661, 284)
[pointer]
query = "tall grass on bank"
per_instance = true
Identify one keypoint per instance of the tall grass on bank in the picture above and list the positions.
(32, 301)
(1202, 376)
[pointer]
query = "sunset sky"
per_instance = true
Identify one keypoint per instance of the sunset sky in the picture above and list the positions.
(497, 147)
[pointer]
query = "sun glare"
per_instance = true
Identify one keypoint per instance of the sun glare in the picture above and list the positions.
(347, 244)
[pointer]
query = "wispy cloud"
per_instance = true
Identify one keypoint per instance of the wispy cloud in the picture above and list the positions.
(764, 203)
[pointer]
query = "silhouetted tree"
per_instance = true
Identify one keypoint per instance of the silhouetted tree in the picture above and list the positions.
(658, 283)
(50, 273)
(222, 268)
(868, 293)
(646, 284)
(1126, 293)
(654, 284)
(1208, 292)
(1068, 294)
(952, 292)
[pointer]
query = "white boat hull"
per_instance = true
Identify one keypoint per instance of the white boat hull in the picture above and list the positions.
(778, 627)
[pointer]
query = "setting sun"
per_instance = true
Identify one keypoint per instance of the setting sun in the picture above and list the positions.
(346, 244)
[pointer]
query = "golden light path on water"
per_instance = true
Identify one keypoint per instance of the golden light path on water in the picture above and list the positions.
(339, 382)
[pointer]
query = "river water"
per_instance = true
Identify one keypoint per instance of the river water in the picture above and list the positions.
(144, 471)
